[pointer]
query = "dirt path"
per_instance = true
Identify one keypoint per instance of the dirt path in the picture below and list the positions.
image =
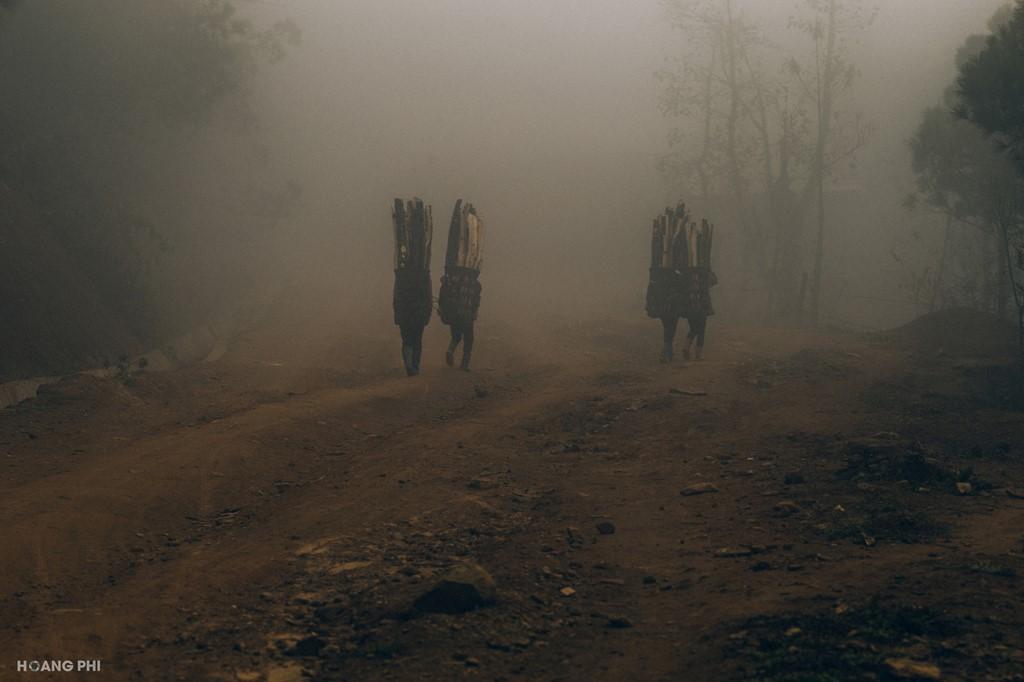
(202, 524)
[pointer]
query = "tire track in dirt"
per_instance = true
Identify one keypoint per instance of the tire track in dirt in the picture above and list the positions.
(354, 500)
(159, 483)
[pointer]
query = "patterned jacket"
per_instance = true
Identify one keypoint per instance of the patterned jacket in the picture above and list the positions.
(674, 293)
(698, 294)
(412, 300)
(666, 294)
(459, 299)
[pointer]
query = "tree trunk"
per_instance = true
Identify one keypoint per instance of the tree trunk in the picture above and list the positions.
(826, 76)
(754, 252)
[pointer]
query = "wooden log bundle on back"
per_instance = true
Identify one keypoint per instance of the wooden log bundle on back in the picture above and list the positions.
(465, 238)
(680, 264)
(679, 244)
(414, 234)
(459, 299)
(665, 243)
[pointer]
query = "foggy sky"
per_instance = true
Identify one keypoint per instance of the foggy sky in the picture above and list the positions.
(544, 113)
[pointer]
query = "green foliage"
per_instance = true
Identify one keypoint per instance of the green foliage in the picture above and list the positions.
(990, 87)
(963, 175)
(959, 172)
(990, 93)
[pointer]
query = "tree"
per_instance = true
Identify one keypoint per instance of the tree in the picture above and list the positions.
(769, 128)
(98, 136)
(828, 23)
(990, 94)
(963, 177)
(711, 89)
(990, 89)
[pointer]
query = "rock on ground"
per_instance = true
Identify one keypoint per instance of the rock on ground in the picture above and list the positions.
(465, 587)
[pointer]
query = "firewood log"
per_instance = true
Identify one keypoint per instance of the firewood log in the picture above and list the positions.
(656, 246)
(475, 236)
(398, 220)
(454, 232)
(413, 227)
(428, 237)
(465, 238)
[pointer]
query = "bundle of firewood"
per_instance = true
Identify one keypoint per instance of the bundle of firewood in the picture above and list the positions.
(665, 243)
(465, 238)
(704, 238)
(678, 243)
(414, 234)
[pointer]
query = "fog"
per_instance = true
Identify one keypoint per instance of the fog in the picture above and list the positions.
(245, 435)
(544, 114)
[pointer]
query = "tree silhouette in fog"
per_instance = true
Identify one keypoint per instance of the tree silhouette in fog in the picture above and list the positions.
(763, 130)
(105, 108)
(990, 92)
(962, 175)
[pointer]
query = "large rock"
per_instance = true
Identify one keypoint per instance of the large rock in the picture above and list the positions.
(465, 587)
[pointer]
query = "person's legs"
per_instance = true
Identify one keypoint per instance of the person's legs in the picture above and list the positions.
(700, 326)
(467, 347)
(417, 349)
(668, 325)
(449, 356)
(691, 334)
(408, 349)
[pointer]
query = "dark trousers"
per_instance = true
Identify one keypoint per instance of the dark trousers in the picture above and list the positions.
(668, 327)
(461, 333)
(698, 325)
(412, 348)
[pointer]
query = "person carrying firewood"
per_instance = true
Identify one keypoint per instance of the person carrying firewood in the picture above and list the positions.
(459, 299)
(680, 278)
(412, 299)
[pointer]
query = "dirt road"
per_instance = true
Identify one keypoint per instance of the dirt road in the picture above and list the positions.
(264, 517)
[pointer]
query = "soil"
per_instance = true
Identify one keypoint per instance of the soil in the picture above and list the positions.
(853, 510)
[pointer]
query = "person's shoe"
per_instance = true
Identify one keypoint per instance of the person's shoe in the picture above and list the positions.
(465, 362)
(666, 354)
(449, 358)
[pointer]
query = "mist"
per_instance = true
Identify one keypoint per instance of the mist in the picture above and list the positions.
(546, 115)
(543, 116)
(719, 367)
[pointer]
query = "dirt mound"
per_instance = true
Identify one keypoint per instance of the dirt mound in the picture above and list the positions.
(888, 457)
(957, 331)
(87, 390)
